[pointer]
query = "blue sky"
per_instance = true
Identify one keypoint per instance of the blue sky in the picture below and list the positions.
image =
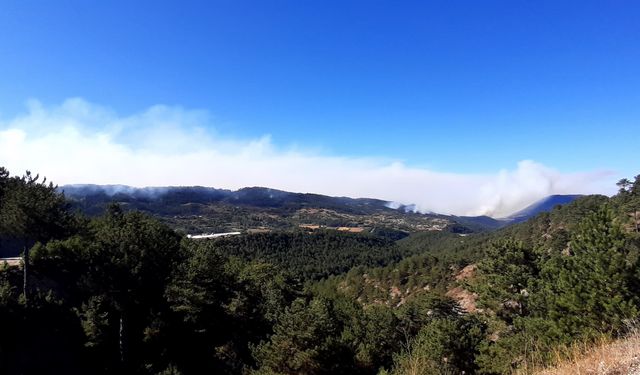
(469, 87)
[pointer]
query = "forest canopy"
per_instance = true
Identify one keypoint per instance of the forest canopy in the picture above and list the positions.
(123, 292)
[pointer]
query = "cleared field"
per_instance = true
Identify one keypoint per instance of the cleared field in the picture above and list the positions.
(11, 262)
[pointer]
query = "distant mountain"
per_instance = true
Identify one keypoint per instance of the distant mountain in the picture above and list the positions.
(544, 205)
(249, 196)
(204, 210)
(479, 223)
(198, 209)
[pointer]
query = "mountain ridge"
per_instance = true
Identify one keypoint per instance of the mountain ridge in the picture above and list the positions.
(543, 205)
(184, 203)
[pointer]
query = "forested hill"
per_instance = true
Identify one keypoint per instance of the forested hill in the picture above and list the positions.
(565, 276)
(419, 271)
(543, 205)
(168, 197)
(123, 292)
(203, 209)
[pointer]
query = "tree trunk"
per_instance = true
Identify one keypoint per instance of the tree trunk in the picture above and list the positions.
(121, 339)
(25, 266)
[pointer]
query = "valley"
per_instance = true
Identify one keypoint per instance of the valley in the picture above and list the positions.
(347, 285)
(197, 210)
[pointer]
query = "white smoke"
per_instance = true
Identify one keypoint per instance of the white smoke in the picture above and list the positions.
(79, 142)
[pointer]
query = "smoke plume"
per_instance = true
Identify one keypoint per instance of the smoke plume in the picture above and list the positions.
(79, 142)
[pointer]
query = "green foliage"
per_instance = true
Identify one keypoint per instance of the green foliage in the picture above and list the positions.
(579, 294)
(373, 334)
(419, 311)
(32, 209)
(125, 293)
(504, 276)
(443, 346)
(223, 306)
(304, 341)
(309, 256)
(429, 270)
(454, 247)
(115, 276)
(588, 292)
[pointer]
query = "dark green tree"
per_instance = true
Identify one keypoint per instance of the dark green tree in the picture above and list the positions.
(504, 276)
(588, 292)
(305, 341)
(444, 346)
(624, 186)
(372, 333)
(117, 273)
(32, 211)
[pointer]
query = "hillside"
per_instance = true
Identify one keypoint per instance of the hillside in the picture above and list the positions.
(543, 205)
(511, 279)
(124, 292)
(606, 357)
(440, 256)
(205, 210)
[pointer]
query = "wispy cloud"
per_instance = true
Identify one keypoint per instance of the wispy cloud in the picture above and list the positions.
(80, 142)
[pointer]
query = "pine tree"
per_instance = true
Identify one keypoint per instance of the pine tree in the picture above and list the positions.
(504, 276)
(588, 292)
(32, 211)
(305, 341)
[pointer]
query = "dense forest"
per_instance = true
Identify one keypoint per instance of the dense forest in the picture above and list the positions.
(122, 292)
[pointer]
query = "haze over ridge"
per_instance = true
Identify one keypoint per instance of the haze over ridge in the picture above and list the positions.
(81, 142)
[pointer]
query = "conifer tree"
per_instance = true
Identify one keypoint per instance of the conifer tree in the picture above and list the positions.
(504, 277)
(588, 291)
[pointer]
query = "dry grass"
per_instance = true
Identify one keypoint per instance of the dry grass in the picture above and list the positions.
(604, 357)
